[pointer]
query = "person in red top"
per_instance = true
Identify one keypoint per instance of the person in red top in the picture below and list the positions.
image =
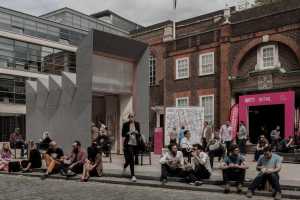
(73, 164)
(16, 141)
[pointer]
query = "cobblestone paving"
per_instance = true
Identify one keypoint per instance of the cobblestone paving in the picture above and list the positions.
(27, 188)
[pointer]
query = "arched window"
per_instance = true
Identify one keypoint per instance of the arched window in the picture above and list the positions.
(152, 68)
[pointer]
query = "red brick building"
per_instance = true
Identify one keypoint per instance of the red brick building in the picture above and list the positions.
(253, 60)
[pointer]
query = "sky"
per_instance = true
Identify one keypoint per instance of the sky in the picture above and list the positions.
(144, 12)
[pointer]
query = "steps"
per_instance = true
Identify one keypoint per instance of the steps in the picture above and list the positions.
(208, 186)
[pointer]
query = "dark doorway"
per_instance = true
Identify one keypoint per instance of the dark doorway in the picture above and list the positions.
(263, 119)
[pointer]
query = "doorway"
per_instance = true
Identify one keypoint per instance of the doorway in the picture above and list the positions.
(264, 119)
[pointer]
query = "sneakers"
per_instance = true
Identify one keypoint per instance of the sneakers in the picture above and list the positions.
(278, 196)
(133, 179)
(164, 181)
(239, 188)
(227, 189)
(44, 176)
(249, 194)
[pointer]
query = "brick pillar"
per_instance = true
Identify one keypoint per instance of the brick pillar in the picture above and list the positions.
(225, 89)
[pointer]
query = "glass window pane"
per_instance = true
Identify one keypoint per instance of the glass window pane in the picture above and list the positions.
(5, 18)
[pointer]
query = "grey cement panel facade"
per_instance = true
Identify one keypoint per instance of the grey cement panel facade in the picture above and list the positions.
(63, 105)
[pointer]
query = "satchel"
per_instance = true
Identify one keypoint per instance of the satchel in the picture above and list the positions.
(14, 166)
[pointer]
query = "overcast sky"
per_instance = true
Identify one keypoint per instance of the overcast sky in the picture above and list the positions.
(144, 12)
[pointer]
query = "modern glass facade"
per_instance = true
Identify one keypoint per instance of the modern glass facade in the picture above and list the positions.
(12, 89)
(35, 58)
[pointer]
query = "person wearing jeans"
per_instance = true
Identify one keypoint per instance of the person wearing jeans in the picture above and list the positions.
(132, 138)
(242, 137)
(269, 166)
(226, 135)
(234, 169)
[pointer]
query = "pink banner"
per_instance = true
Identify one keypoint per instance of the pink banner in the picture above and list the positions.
(158, 140)
(234, 118)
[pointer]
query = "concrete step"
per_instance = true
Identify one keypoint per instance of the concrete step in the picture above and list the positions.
(286, 193)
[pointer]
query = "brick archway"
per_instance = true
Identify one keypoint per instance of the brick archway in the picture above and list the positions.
(289, 42)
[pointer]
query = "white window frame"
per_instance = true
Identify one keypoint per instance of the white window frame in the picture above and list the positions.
(200, 63)
(213, 106)
(260, 58)
(188, 68)
(180, 99)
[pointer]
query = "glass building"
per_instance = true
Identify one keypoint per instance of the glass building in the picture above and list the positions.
(31, 47)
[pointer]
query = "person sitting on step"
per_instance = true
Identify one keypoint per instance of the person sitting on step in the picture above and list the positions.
(34, 161)
(269, 166)
(172, 163)
(73, 164)
(200, 165)
(54, 158)
(234, 169)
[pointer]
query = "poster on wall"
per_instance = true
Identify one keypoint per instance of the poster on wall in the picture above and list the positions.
(192, 118)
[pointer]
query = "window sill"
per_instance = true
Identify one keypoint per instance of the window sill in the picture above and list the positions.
(208, 74)
(178, 79)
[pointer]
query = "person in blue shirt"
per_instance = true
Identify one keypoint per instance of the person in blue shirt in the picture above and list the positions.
(269, 166)
(181, 134)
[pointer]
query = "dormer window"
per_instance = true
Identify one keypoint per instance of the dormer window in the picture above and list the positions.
(267, 57)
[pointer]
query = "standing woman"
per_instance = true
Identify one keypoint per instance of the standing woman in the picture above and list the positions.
(5, 157)
(132, 137)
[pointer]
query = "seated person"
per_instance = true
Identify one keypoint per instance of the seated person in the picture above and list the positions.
(172, 163)
(269, 166)
(45, 141)
(186, 145)
(54, 158)
(286, 146)
(73, 164)
(200, 164)
(16, 141)
(93, 165)
(5, 157)
(34, 161)
(215, 149)
(234, 169)
(103, 141)
(262, 143)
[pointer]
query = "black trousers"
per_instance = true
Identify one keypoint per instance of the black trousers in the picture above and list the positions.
(166, 171)
(261, 179)
(228, 144)
(199, 173)
(187, 153)
(234, 174)
(130, 153)
(242, 145)
(257, 154)
(215, 153)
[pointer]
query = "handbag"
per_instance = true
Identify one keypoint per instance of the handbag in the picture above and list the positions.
(14, 166)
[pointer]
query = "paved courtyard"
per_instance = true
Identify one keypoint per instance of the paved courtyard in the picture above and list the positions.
(28, 188)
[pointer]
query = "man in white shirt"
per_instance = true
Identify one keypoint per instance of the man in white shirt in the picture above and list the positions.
(172, 163)
(200, 164)
(226, 134)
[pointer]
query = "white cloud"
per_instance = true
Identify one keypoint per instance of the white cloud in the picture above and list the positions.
(145, 12)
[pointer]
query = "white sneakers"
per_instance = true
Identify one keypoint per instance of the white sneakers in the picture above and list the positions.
(133, 179)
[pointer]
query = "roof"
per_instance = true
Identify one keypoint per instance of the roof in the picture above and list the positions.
(151, 27)
(264, 10)
(109, 12)
(82, 14)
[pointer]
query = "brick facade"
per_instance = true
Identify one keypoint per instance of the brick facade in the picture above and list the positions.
(235, 47)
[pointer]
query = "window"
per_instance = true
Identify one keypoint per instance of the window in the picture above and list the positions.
(182, 102)
(267, 57)
(206, 63)
(207, 102)
(152, 65)
(182, 68)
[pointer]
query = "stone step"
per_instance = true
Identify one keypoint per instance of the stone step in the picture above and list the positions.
(286, 193)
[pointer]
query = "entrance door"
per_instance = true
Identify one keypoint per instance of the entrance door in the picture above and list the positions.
(263, 119)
